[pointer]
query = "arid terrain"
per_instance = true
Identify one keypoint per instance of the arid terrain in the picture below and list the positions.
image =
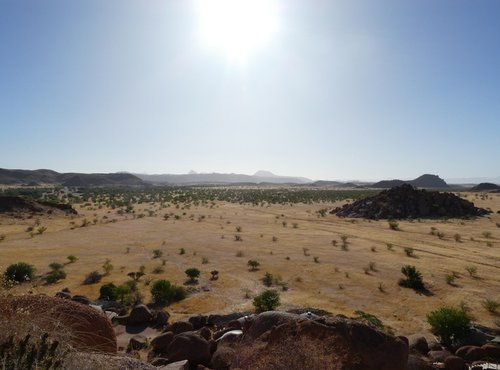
(292, 241)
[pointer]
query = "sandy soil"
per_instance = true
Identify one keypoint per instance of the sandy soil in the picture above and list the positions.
(336, 283)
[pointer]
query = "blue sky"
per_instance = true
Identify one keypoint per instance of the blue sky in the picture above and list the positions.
(338, 90)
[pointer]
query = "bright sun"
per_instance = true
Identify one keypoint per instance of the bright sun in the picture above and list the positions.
(238, 28)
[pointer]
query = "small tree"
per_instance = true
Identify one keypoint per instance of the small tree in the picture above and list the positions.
(215, 275)
(268, 300)
(56, 274)
(163, 292)
(92, 278)
(413, 278)
(108, 292)
(449, 324)
(157, 253)
(193, 274)
(107, 267)
(72, 259)
(268, 279)
(20, 272)
(253, 264)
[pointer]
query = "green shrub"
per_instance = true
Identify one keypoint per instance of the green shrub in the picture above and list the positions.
(253, 264)
(409, 251)
(268, 279)
(157, 253)
(393, 225)
(192, 273)
(72, 259)
(107, 267)
(413, 278)
(92, 278)
(108, 292)
(163, 292)
(449, 324)
(268, 300)
(472, 270)
(491, 305)
(20, 272)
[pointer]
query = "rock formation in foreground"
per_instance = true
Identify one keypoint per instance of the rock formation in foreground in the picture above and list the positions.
(405, 201)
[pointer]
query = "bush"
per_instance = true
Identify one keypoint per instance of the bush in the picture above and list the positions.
(163, 292)
(409, 251)
(413, 278)
(449, 324)
(108, 292)
(72, 259)
(268, 300)
(393, 225)
(157, 253)
(92, 278)
(56, 274)
(491, 305)
(107, 267)
(253, 264)
(192, 273)
(268, 279)
(20, 272)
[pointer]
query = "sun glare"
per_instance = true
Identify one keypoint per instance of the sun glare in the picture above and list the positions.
(238, 28)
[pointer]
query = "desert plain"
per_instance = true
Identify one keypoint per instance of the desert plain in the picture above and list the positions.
(299, 244)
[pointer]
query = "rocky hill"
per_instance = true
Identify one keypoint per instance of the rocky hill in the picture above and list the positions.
(49, 177)
(407, 202)
(15, 205)
(486, 186)
(424, 181)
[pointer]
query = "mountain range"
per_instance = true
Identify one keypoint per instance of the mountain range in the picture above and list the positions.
(50, 177)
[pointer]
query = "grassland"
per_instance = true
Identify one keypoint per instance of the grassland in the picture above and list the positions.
(287, 230)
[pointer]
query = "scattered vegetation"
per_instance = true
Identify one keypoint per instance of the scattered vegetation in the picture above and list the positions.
(268, 300)
(413, 278)
(163, 292)
(92, 278)
(491, 305)
(253, 264)
(20, 272)
(449, 324)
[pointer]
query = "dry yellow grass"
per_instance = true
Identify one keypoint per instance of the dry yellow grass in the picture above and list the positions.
(310, 284)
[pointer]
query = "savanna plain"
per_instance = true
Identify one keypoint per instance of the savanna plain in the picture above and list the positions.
(317, 260)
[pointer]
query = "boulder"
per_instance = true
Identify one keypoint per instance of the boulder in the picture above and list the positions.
(198, 321)
(419, 344)
(417, 363)
(82, 299)
(81, 326)
(137, 342)
(438, 356)
(189, 346)
(454, 363)
(139, 316)
(222, 359)
(205, 333)
(161, 342)
(63, 295)
(180, 327)
(325, 343)
(230, 338)
(160, 318)
(491, 350)
(265, 321)
(179, 365)
(470, 353)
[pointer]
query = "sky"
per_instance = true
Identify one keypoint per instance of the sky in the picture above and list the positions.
(365, 89)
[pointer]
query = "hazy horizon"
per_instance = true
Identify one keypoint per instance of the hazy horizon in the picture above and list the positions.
(318, 89)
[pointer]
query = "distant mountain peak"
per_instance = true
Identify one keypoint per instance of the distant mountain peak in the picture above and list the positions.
(262, 173)
(192, 172)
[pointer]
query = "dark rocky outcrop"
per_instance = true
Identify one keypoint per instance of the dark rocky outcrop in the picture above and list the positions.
(49, 177)
(424, 181)
(407, 202)
(487, 187)
(14, 204)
